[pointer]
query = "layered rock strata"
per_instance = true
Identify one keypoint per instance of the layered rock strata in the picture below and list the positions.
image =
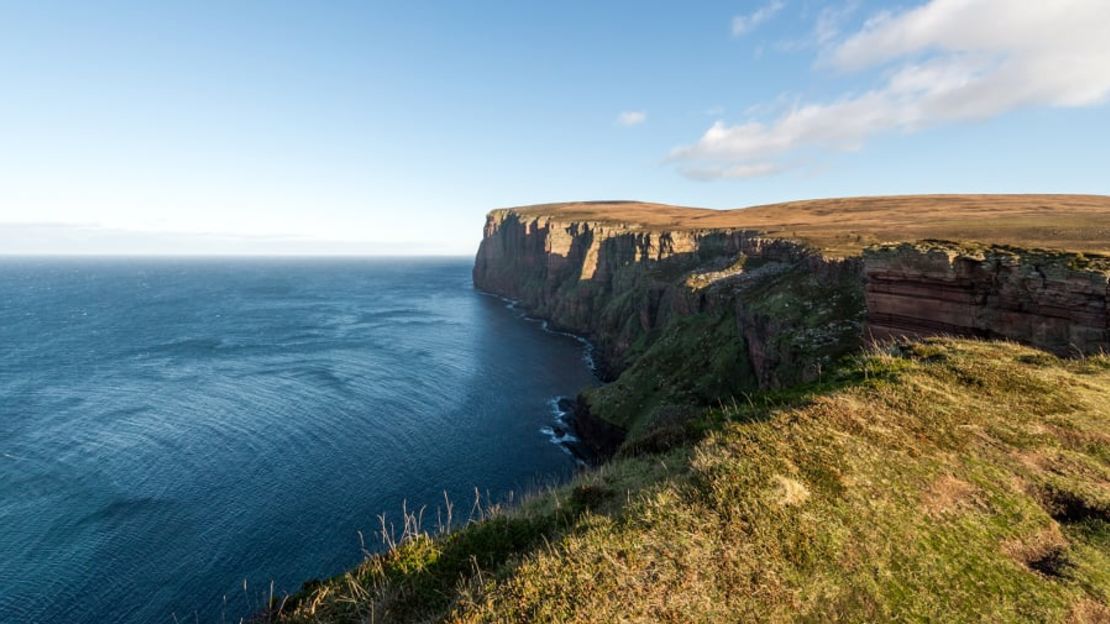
(1055, 301)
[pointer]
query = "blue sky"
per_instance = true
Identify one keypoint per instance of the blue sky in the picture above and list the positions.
(373, 127)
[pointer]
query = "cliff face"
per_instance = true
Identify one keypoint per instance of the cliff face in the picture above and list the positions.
(621, 284)
(1055, 301)
(683, 316)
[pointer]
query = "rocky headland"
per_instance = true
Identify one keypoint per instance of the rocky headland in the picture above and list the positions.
(788, 300)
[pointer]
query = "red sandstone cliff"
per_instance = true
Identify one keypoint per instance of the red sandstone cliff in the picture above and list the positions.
(619, 282)
(1055, 301)
(642, 287)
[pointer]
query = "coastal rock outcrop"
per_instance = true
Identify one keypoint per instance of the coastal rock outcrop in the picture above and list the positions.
(1056, 301)
(618, 283)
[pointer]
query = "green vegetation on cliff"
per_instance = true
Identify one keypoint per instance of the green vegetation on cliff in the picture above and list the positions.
(944, 480)
(801, 324)
(697, 360)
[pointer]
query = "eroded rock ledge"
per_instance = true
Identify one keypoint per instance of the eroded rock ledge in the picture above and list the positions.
(1056, 301)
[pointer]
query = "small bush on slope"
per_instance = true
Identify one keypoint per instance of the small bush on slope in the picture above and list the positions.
(944, 480)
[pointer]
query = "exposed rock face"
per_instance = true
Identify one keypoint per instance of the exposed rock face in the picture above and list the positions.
(694, 316)
(617, 283)
(1055, 301)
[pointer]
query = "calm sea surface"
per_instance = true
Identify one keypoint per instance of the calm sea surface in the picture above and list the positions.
(170, 428)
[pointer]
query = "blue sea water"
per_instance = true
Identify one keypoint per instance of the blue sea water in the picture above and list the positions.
(171, 429)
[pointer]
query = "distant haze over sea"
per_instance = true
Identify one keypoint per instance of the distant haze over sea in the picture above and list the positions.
(90, 239)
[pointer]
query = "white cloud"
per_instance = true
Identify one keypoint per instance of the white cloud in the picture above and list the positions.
(744, 24)
(944, 61)
(631, 118)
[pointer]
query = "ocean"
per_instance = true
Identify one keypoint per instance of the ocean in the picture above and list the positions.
(178, 434)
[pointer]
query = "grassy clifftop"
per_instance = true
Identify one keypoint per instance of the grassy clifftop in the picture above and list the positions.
(844, 226)
(940, 480)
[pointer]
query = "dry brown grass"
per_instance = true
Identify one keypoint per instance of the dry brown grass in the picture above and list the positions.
(949, 494)
(845, 225)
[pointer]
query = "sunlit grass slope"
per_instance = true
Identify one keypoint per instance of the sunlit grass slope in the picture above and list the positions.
(936, 481)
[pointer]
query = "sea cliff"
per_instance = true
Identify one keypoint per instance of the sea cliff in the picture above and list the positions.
(773, 311)
(618, 282)
(1053, 300)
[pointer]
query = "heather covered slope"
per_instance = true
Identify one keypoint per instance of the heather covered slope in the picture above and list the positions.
(941, 480)
(844, 226)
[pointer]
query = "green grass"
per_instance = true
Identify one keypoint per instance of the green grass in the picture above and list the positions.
(806, 326)
(943, 480)
(696, 360)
